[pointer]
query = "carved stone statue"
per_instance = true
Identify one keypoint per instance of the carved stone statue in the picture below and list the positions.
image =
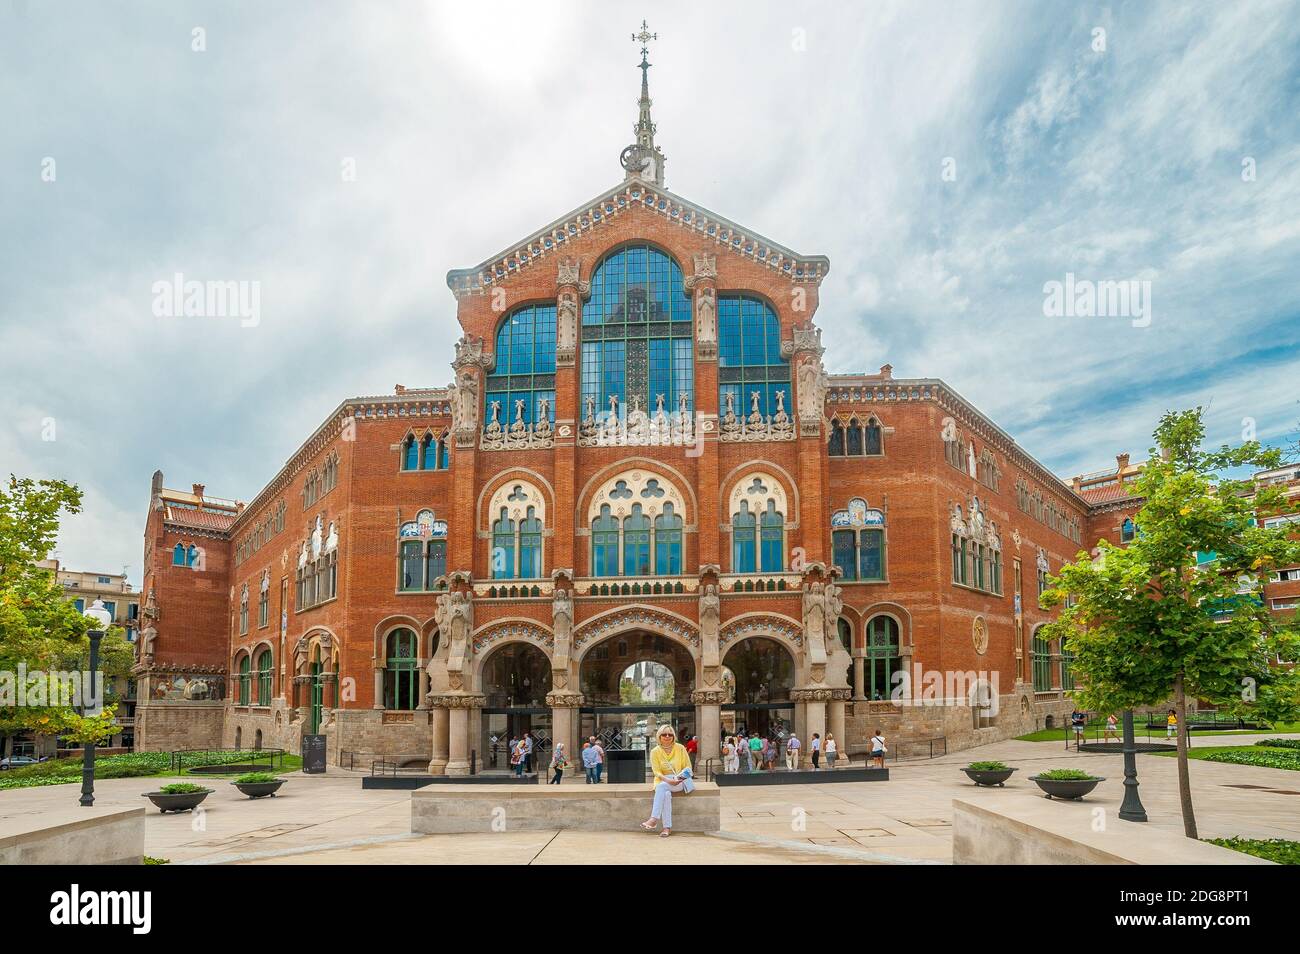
(814, 628)
(464, 404)
(459, 616)
(566, 330)
(562, 626)
(706, 317)
(812, 391)
(710, 614)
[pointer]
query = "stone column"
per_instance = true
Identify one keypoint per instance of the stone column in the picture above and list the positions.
(839, 727)
(814, 699)
(459, 705)
(424, 685)
(564, 728)
(379, 689)
(859, 676)
(709, 708)
(438, 763)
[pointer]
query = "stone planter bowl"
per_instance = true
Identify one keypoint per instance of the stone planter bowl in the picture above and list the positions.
(259, 789)
(990, 778)
(181, 802)
(1059, 788)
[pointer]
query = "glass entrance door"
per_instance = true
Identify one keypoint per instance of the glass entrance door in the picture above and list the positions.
(504, 725)
(633, 727)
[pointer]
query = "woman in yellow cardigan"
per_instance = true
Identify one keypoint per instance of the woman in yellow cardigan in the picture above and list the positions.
(672, 768)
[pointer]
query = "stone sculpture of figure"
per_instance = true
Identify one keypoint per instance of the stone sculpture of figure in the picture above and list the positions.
(317, 539)
(590, 416)
(780, 403)
(543, 414)
(464, 405)
(970, 455)
(460, 623)
(520, 404)
(814, 622)
(496, 413)
(682, 400)
(562, 626)
(812, 390)
(730, 405)
(753, 403)
(566, 332)
(706, 320)
(710, 614)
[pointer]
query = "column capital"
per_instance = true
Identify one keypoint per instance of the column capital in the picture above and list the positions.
(565, 700)
(709, 697)
(812, 694)
(457, 700)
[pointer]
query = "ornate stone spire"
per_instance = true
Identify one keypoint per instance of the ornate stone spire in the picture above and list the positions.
(642, 159)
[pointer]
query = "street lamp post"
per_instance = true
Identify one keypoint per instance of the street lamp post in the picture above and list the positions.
(101, 620)
(1131, 809)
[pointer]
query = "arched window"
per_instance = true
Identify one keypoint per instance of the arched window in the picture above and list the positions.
(503, 547)
(444, 454)
(636, 543)
(530, 546)
(636, 333)
(245, 678)
(883, 659)
(264, 678)
(771, 557)
(191, 555)
(1067, 659)
(178, 555)
(749, 356)
(668, 542)
(743, 533)
(428, 453)
(524, 376)
(401, 670)
(604, 543)
(1041, 656)
(243, 609)
(1126, 530)
(835, 447)
(873, 439)
(264, 601)
(421, 552)
(858, 541)
(853, 443)
(411, 454)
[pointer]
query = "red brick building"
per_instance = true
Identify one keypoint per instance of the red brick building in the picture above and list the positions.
(640, 500)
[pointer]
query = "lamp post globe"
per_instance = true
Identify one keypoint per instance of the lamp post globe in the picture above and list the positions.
(100, 619)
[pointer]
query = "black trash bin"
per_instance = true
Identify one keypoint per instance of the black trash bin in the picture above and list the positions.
(625, 765)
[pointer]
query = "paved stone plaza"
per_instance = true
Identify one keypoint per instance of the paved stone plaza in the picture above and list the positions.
(330, 820)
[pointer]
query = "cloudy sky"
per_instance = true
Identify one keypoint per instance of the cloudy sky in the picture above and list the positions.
(949, 159)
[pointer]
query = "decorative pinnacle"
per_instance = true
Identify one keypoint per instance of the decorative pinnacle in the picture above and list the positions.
(643, 158)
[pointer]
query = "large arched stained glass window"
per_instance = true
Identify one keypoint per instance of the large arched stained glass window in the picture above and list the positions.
(882, 656)
(636, 334)
(525, 367)
(749, 357)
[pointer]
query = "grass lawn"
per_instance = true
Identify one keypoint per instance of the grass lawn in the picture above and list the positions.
(1264, 756)
(1059, 733)
(1273, 849)
(131, 765)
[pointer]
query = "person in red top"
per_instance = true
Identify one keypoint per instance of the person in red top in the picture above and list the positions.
(692, 746)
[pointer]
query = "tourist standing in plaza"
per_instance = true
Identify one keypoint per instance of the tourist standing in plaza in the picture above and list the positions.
(528, 752)
(517, 755)
(1110, 728)
(730, 760)
(742, 753)
(878, 748)
(831, 750)
(558, 763)
(589, 763)
(672, 769)
(756, 751)
(1171, 724)
(600, 757)
(816, 746)
(792, 752)
(1078, 722)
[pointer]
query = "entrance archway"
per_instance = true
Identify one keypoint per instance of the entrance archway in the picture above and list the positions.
(515, 680)
(633, 682)
(761, 673)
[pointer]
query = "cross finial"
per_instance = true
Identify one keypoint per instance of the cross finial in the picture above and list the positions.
(644, 37)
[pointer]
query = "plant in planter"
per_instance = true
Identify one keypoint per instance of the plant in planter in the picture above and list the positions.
(258, 784)
(1066, 783)
(988, 773)
(178, 796)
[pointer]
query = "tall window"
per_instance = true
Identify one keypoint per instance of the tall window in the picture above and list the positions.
(427, 453)
(245, 679)
(243, 609)
(856, 438)
(743, 532)
(264, 678)
(1126, 530)
(604, 543)
(524, 376)
(517, 546)
(1067, 660)
(636, 543)
(1041, 655)
(858, 541)
(668, 543)
(264, 601)
(749, 356)
(771, 540)
(401, 671)
(421, 553)
(958, 558)
(636, 333)
(883, 659)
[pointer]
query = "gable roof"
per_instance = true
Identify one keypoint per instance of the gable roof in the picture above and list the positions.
(608, 206)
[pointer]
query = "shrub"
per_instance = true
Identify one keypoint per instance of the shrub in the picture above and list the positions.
(988, 767)
(148, 860)
(1280, 743)
(1272, 849)
(181, 788)
(256, 778)
(1066, 775)
(1267, 758)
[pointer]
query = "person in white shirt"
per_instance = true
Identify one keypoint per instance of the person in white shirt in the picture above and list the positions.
(816, 745)
(792, 752)
(878, 749)
(831, 750)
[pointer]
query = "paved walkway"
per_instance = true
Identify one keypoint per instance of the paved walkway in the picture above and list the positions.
(330, 820)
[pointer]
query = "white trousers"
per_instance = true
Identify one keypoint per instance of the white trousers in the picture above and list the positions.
(663, 806)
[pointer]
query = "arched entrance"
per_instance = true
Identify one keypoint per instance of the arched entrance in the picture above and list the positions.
(317, 693)
(515, 681)
(634, 682)
(759, 674)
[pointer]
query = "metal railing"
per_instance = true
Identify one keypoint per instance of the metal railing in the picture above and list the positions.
(180, 758)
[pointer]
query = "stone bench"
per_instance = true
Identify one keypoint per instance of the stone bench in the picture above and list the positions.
(72, 835)
(447, 809)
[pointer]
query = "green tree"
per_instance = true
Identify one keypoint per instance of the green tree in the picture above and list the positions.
(39, 629)
(1149, 622)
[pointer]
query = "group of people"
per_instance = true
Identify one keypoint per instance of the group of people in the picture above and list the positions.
(592, 757)
(743, 752)
(1079, 724)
